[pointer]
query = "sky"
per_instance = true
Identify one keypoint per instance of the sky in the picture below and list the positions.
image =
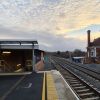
(56, 24)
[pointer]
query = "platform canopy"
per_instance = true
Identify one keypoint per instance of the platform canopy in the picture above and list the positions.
(18, 44)
(17, 41)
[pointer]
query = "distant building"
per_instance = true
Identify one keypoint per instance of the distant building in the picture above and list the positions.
(93, 49)
(78, 59)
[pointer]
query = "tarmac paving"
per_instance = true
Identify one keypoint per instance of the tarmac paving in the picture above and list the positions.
(29, 88)
(6, 82)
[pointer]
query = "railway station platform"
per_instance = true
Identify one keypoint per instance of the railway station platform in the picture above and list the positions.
(56, 88)
(43, 85)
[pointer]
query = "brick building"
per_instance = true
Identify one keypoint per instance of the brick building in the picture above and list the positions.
(93, 49)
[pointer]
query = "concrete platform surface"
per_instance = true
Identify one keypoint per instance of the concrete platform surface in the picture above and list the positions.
(64, 91)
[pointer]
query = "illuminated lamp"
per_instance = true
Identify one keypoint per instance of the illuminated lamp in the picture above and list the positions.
(6, 52)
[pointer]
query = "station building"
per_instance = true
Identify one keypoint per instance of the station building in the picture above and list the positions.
(19, 55)
(93, 49)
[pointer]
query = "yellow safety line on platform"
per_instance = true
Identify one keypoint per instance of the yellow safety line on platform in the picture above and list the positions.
(51, 89)
(43, 90)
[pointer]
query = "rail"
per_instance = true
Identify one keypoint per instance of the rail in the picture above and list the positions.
(82, 88)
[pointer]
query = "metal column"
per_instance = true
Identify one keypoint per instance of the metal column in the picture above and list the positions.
(95, 52)
(33, 59)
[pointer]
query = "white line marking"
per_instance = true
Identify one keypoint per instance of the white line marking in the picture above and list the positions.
(29, 86)
(12, 88)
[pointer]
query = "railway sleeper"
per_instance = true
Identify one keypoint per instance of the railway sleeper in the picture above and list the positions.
(83, 90)
(70, 78)
(80, 87)
(87, 95)
(92, 98)
(77, 82)
(75, 85)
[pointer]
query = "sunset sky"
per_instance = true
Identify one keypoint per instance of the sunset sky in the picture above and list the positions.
(56, 24)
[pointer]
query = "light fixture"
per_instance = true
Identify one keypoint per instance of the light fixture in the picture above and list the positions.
(6, 52)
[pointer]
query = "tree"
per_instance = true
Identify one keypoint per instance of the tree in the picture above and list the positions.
(58, 52)
(78, 52)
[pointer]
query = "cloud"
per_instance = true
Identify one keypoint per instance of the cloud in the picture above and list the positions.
(81, 34)
(49, 14)
(47, 41)
(50, 21)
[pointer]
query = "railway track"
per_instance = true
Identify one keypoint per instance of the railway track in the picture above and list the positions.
(92, 77)
(83, 89)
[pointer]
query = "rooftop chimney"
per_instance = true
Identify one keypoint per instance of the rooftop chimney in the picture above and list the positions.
(88, 36)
